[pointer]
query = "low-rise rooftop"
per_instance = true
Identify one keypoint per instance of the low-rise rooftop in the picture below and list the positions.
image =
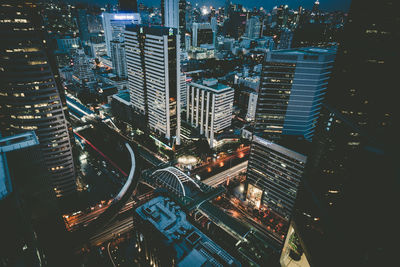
(192, 247)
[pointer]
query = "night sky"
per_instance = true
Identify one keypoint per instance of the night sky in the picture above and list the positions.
(326, 5)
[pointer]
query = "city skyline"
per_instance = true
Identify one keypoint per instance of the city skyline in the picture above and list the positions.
(326, 5)
(185, 135)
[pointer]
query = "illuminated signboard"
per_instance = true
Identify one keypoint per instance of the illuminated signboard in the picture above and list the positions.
(171, 32)
(124, 17)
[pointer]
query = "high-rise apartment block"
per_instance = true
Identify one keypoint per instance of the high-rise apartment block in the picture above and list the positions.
(30, 91)
(293, 85)
(209, 107)
(114, 26)
(153, 60)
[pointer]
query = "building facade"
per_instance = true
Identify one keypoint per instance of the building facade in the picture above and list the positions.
(153, 61)
(170, 13)
(202, 34)
(293, 85)
(209, 107)
(273, 176)
(31, 92)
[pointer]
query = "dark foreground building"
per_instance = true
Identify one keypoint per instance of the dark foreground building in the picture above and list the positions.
(346, 210)
(32, 232)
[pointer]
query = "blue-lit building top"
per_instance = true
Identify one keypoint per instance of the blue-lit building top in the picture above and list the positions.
(7, 144)
(293, 85)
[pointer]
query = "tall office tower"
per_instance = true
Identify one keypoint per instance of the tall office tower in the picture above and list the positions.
(273, 176)
(118, 58)
(114, 26)
(202, 34)
(209, 108)
(129, 6)
(153, 60)
(83, 25)
(30, 91)
(293, 85)
(345, 212)
(82, 69)
(253, 28)
(170, 13)
(182, 21)
(33, 227)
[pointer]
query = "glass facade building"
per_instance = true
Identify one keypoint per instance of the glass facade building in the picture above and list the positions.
(293, 85)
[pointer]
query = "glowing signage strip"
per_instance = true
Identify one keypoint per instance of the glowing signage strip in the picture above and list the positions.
(124, 17)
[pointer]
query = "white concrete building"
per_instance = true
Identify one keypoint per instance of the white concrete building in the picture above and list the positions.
(251, 107)
(209, 107)
(153, 63)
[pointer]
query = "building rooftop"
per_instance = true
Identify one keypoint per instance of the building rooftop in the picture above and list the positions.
(123, 96)
(306, 53)
(192, 247)
(212, 85)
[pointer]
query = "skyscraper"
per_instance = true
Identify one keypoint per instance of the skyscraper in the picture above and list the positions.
(170, 13)
(114, 26)
(350, 191)
(30, 91)
(153, 60)
(293, 84)
(129, 6)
